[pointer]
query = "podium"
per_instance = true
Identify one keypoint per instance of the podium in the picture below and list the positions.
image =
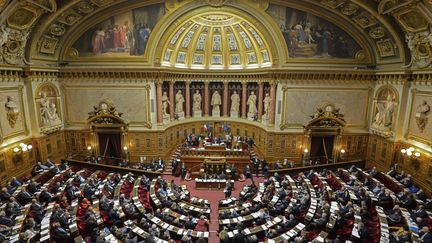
(214, 165)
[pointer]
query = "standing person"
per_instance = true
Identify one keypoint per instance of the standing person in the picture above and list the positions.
(256, 166)
(174, 164)
(228, 190)
(183, 171)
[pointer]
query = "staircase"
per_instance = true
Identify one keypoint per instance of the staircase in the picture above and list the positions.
(176, 154)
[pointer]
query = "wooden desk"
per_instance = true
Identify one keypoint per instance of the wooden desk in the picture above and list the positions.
(111, 168)
(211, 184)
(296, 170)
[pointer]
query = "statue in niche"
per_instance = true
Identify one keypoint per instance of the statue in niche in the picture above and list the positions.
(48, 111)
(252, 111)
(421, 116)
(179, 104)
(216, 101)
(235, 102)
(196, 101)
(266, 102)
(384, 116)
(12, 111)
(165, 103)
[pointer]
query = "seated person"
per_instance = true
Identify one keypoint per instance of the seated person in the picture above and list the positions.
(4, 194)
(202, 224)
(49, 164)
(59, 232)
(15, 182)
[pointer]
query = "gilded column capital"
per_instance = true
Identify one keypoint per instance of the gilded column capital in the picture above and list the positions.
(159, 82)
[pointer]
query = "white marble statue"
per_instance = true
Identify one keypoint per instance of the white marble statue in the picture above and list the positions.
(179, 103)
(251, 102)
(48, 111)
(44, 108)
(196, 101)
(384, 115)
(266, 102)
(12, 111)
(165, 103)
(235, 104)
(216, 101)
(54, 117)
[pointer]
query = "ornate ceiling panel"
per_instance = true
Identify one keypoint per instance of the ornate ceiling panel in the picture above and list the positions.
(374, 18)
(216, 40)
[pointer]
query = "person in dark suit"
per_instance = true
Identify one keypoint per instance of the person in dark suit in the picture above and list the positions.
(364, 234)
(24, 197)
(419, 213)
(59, 232)
(4, 194)
(425, 235)
(45, 196)
(4, 220)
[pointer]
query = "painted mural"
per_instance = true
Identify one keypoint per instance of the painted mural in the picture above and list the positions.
(123, 35)
(309, 36)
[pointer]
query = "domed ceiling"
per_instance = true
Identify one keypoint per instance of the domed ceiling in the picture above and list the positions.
(217, 40)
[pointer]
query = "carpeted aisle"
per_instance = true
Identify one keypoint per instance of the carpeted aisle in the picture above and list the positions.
(213, 196)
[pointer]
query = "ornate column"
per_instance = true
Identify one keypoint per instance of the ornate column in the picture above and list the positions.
(244, 99)
(188, 104)
(260, 100)
(225, 99)
(172, 100)
(159, 100)
(273, 85)
(206, 98)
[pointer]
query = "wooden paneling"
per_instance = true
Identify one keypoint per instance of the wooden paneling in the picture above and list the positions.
(380, 153)
(51, 146)
(17, 164)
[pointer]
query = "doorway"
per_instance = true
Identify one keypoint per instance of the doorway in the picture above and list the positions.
(110, 145)
(322, 148)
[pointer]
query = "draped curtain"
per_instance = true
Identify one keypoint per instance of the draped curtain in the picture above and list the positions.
(110, 145)
(317, 146)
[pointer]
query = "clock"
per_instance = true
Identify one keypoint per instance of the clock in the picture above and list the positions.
(329, 108)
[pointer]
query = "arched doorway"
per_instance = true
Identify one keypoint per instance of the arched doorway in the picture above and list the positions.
(323, 135)
(108, 130)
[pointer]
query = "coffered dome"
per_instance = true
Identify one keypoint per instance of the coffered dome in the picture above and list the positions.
(216, 40)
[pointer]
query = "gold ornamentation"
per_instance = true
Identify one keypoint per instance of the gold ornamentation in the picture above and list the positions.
(412, 20)
(73, 53)
(69, 17)
(420, 45)
(49, 45)
(85, 7)
(333, 3)
(327, 116)
(360, 55)
(216, 3)
(349, 9)
(23, 18)
(365, 20)
(57, 30)
(377, 32)
(385, 48)
(105, 113)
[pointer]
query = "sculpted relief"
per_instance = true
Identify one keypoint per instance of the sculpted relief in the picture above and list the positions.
(48, 111)
(12, 111)
(385, 105)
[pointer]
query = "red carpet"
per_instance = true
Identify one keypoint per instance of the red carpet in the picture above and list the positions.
(213, 196)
